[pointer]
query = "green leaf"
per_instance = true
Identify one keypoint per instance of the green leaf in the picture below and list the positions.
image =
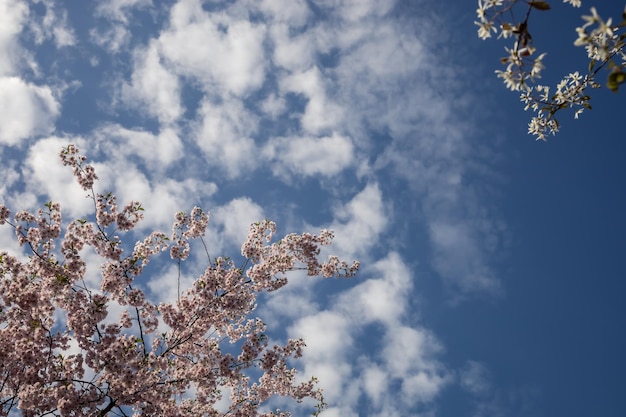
(61, 279)
(540, 5)
(615, 79)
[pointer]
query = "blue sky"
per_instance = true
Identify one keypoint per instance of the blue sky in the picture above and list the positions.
(492, 274)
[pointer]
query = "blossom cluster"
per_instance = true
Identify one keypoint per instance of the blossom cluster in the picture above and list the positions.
(63, 350)
(603, 43)
(270, 262)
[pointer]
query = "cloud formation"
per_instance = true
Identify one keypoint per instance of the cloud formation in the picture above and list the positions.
(26, 110)
(220, 52)
(267, 100)
(403, 375)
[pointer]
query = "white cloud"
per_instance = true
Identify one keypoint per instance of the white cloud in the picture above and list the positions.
(53, 25)
(375, 382)
(383, 52)
(115, 34)
(381, 300)
(235, 219)
(382, 77)
(326, 156)
(113, 38)
(339, 337)
(8, 175)
(13, 15)
(459, 256)
(321, 114)
(408, 354)
(117, 172)
(354, 10)
(221, 53)
(294, 12)
(384, 299)
(160, 197)
(359, 223)
(274, 106)
(26, 110)
(8, 242)
(291, 302)
(294, 53)
(391, 82)
(224, 135)
(423, 386)
(153, 88)
(46, 176)
(339, 412)
(164, 284)
(328, 336)
(474, 378)
(120, 9)
(157, 151)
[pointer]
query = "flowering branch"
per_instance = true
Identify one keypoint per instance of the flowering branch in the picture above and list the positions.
(63, 352)
(602, 42)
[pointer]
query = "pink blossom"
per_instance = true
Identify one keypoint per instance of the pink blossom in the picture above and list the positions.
(124, 363)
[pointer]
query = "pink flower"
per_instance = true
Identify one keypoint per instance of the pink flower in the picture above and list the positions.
(46, 306)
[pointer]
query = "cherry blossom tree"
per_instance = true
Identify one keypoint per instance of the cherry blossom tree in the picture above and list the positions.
(603, 41)
(66, 350)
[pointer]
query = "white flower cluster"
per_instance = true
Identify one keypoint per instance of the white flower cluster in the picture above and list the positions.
(485, 26)
(575, 3)
(569, 93)
(602, 42)
(523, 68)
